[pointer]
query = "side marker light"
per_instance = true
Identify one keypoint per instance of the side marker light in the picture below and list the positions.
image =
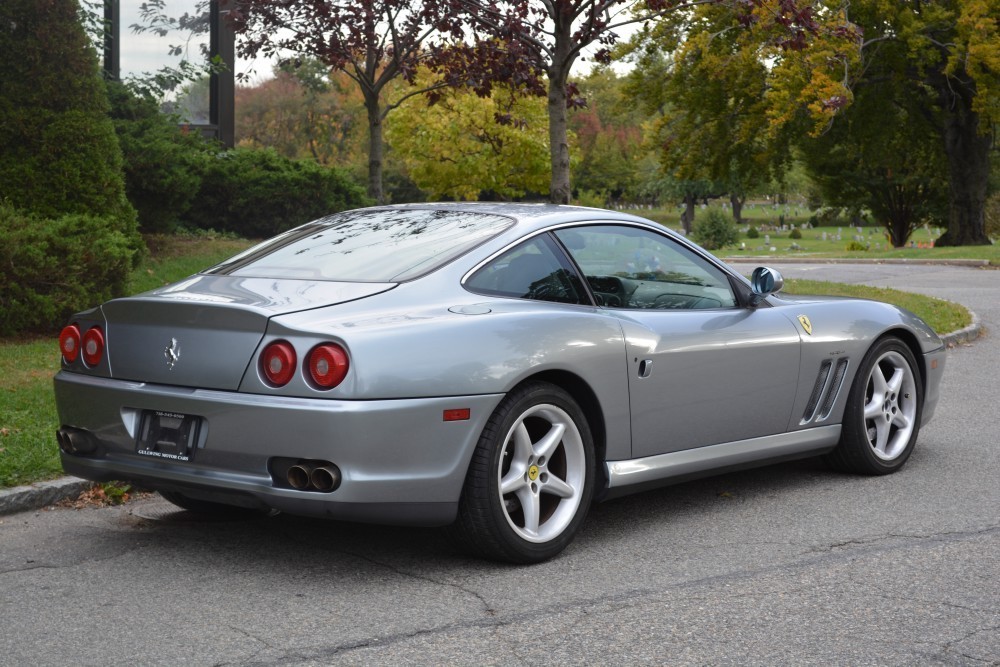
(457, 415)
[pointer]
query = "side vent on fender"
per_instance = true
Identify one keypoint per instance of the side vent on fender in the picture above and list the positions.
(834, 391)
(825, 391)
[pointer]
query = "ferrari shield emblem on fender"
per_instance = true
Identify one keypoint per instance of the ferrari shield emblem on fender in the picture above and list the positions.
(806, 324)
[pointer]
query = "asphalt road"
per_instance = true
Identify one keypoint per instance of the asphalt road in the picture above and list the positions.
(791, 564)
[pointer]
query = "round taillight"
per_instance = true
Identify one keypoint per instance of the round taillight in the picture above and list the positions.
(327, 364)
(69, 343)
(277, 363)
(93, 346)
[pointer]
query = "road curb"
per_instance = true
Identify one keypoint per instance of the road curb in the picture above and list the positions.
(41, 494)
(966, 335)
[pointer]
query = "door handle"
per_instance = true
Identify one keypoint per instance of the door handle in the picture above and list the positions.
(645, 368)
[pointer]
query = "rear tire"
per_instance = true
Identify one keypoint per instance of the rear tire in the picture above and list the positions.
(883, 411)
(531, 479)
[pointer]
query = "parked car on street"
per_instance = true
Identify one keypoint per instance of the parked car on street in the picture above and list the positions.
(493, 367)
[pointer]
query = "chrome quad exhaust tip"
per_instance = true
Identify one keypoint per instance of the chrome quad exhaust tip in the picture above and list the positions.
(321, 476)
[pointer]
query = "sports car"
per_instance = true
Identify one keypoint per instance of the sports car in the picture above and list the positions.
(496, 368)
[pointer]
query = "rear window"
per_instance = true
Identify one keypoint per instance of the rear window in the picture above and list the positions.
(386, 245)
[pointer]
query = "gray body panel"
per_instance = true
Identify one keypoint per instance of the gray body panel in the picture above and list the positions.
(675, 393)
(713, 376)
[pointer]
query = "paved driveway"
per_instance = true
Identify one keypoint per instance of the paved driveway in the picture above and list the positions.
(791, 564)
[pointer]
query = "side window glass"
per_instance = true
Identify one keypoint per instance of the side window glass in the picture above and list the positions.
(532, 270)
(636, 268)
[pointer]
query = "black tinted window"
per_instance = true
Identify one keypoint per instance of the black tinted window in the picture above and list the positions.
(533, 270)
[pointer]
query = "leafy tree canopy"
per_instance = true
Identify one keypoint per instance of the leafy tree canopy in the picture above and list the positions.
(456, 148)
(373, 43)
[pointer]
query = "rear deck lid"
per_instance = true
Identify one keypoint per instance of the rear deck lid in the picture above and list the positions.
(202, 332)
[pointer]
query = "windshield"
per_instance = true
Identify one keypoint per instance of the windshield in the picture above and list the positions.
(380, 245)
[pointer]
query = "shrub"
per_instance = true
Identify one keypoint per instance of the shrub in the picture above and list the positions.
(856, 246)
(258, 193)
(52, 267)
(752, 233)
(714, 229)
(60, 154)
(163, 163)
(992, 215)
(591, 198)
(795, 234)
(828, 217)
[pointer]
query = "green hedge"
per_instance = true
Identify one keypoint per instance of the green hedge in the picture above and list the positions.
(257, 193)
(163, 162)
(58, 150)
(53, 267)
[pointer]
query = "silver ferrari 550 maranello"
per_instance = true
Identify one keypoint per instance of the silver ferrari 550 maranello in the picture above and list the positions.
(492, 367)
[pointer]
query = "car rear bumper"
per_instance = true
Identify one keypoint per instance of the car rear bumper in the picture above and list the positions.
(399, 460)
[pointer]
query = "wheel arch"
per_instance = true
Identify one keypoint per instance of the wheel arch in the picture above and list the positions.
(584, 395)
(911, 342)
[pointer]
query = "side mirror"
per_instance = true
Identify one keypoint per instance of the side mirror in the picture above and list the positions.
(765, 282)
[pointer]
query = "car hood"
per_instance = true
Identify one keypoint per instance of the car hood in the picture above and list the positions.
(203, 331)
(809, 298)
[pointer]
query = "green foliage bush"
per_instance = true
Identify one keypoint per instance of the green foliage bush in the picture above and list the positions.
(752, 233)
(60, 154)
(258, 193)
(829, 217)
(53, 267)
(591, 198)
(163, 163)
(795, 234)
(69, 232)
(856, 246)
(715, 229)
(992, 215)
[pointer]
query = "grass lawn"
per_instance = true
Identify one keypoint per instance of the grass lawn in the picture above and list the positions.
(28, 451)
(826, 242)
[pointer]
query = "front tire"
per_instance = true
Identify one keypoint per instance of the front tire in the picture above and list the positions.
(531, 479)
(883, 411)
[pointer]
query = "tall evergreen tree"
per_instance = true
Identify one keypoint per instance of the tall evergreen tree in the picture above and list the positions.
(70, 235)
(58, 151)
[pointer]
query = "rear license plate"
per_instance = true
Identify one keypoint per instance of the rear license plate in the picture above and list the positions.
(168, 435)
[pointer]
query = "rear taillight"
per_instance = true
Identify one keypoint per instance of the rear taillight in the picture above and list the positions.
(327, 365)
(277, 363)
(69, 343)
(93, 346)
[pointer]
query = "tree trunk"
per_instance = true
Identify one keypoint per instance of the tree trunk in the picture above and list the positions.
(376, 149)
(687, 217)
(900, 227)
(968, 153)
(558, 73)
(737, 204)
(559, 188)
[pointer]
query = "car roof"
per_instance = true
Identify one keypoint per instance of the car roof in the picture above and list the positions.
(524, 212)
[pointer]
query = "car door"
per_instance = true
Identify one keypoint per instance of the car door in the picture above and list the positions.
(702, 368)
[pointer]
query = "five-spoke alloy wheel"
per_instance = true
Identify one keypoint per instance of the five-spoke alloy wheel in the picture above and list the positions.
(530, 482)
(882, 416)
